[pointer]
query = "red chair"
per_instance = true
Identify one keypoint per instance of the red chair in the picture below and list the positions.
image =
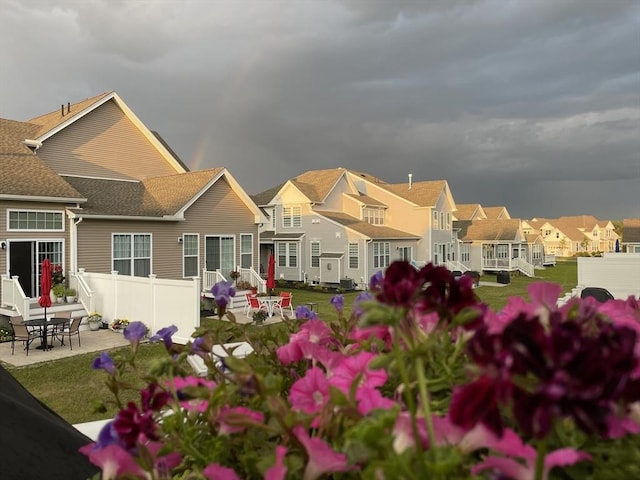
(255, 305)
(247, 306)
(284, 303)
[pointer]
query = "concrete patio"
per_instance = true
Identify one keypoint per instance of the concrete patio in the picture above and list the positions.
(91, 341)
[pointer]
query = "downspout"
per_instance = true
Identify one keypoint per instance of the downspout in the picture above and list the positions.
(429, 244)
(73, 238)
(367, 277)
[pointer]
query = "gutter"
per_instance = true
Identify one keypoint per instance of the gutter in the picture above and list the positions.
(31, 198)
(164, 218)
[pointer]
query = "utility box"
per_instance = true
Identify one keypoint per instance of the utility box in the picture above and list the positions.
(346, 284)
(503, 277)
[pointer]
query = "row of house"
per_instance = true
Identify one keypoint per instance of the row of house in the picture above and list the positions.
(90, 187)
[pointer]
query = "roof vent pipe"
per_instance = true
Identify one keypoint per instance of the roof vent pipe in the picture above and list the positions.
(68, 107)
(410, 175)
(62, 109)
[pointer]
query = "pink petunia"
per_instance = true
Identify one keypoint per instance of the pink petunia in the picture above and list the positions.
(322, 459)
(214, 471)
(192, 404)
(369, 399)
(310, 393)
(278, 471)
(113, 460)
(355, 367)
(237, 419)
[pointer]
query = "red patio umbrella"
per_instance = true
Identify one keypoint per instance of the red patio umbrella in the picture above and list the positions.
(45, 285)
(271, 273)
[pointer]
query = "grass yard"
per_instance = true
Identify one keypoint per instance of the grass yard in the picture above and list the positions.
(70, 387)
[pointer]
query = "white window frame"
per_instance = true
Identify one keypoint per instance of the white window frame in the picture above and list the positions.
(243, 253)
(132, 258)
(373, 215)
(314, 250)
(287, 251)
(465, 252)
(354, 255)
(291, 216)
(185, 255)
(435, 220)
(11, 211)
(381, 254)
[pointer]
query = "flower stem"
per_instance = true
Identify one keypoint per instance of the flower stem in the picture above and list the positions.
(542, 452)
(424, 397)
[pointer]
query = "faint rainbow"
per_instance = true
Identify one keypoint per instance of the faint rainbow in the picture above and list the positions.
(226, 100)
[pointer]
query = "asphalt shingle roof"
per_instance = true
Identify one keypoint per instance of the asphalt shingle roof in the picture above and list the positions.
(631, 230)
(487, 229)
(424, 194)
(22, 172)
(371, 231)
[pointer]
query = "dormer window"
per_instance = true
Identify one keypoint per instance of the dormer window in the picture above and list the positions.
(373, 215)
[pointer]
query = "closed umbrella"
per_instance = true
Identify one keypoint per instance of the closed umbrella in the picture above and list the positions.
(271, 273)
(617, 245)
(45, 291)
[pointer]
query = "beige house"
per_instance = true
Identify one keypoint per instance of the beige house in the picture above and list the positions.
(90, 187)
(338, 226)
(573, 235)
(630, 241)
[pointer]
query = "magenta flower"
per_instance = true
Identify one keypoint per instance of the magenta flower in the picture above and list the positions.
(322, 459)
(214, 471)
(363, 297)
(189, 400)
(278, 471)
(309, 393)
(113, 460)
(356, 368)
(237, 419)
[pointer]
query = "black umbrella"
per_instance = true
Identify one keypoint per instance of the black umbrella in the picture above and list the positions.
(35, 441)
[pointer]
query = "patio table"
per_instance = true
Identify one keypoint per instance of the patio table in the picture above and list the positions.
(270, 302)
(44, 323)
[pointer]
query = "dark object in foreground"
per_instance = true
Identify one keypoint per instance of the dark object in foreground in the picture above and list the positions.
(600, 294)
(503, 277)
(35, 441)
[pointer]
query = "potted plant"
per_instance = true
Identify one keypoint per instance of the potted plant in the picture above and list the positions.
(119, 324)
(234, 275)
(259, 317)
(70, 293)
(58, 292)
(94, 320)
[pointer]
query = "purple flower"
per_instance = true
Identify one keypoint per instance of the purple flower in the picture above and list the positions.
(376, 280)
(135, 331)
(104, 362)
(107, 436)
(305, 312)
(165, 334)
(222, 293)
(362, 297)
(338, 302)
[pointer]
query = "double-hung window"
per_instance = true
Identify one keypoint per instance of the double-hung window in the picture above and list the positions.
(354, 255)
(132, 254)
(380, 254)
(190, 255)
(291, 217)
(374, 215)
(315, 254)
(246, 250)
(287, 254)
(435, 220)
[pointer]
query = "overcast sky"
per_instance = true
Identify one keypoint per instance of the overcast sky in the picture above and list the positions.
(530, 104)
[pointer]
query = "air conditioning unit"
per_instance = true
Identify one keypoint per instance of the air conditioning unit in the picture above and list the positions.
(346, 284)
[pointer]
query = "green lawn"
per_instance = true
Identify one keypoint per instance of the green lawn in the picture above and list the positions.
(70, 387)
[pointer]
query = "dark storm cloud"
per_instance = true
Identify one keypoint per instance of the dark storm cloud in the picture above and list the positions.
(534, 105)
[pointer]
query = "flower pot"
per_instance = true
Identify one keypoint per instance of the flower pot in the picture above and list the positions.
(94, 325)
(71, 299)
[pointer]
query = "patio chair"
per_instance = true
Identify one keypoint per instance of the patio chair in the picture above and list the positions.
(247, 306)
(57, 330)
(255, 305)
(284, 303)
(21, 333)
(69, 330)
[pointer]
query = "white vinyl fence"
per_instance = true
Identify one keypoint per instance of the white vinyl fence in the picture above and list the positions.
(617, 272)
(156, 302)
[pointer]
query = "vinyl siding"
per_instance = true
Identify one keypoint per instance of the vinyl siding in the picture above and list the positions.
(219, 211)
(106, 144)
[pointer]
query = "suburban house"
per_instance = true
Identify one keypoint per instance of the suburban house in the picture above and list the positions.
(572, 235)
(90, 187)
(631, 235)
(339, 227)
(497, 213)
